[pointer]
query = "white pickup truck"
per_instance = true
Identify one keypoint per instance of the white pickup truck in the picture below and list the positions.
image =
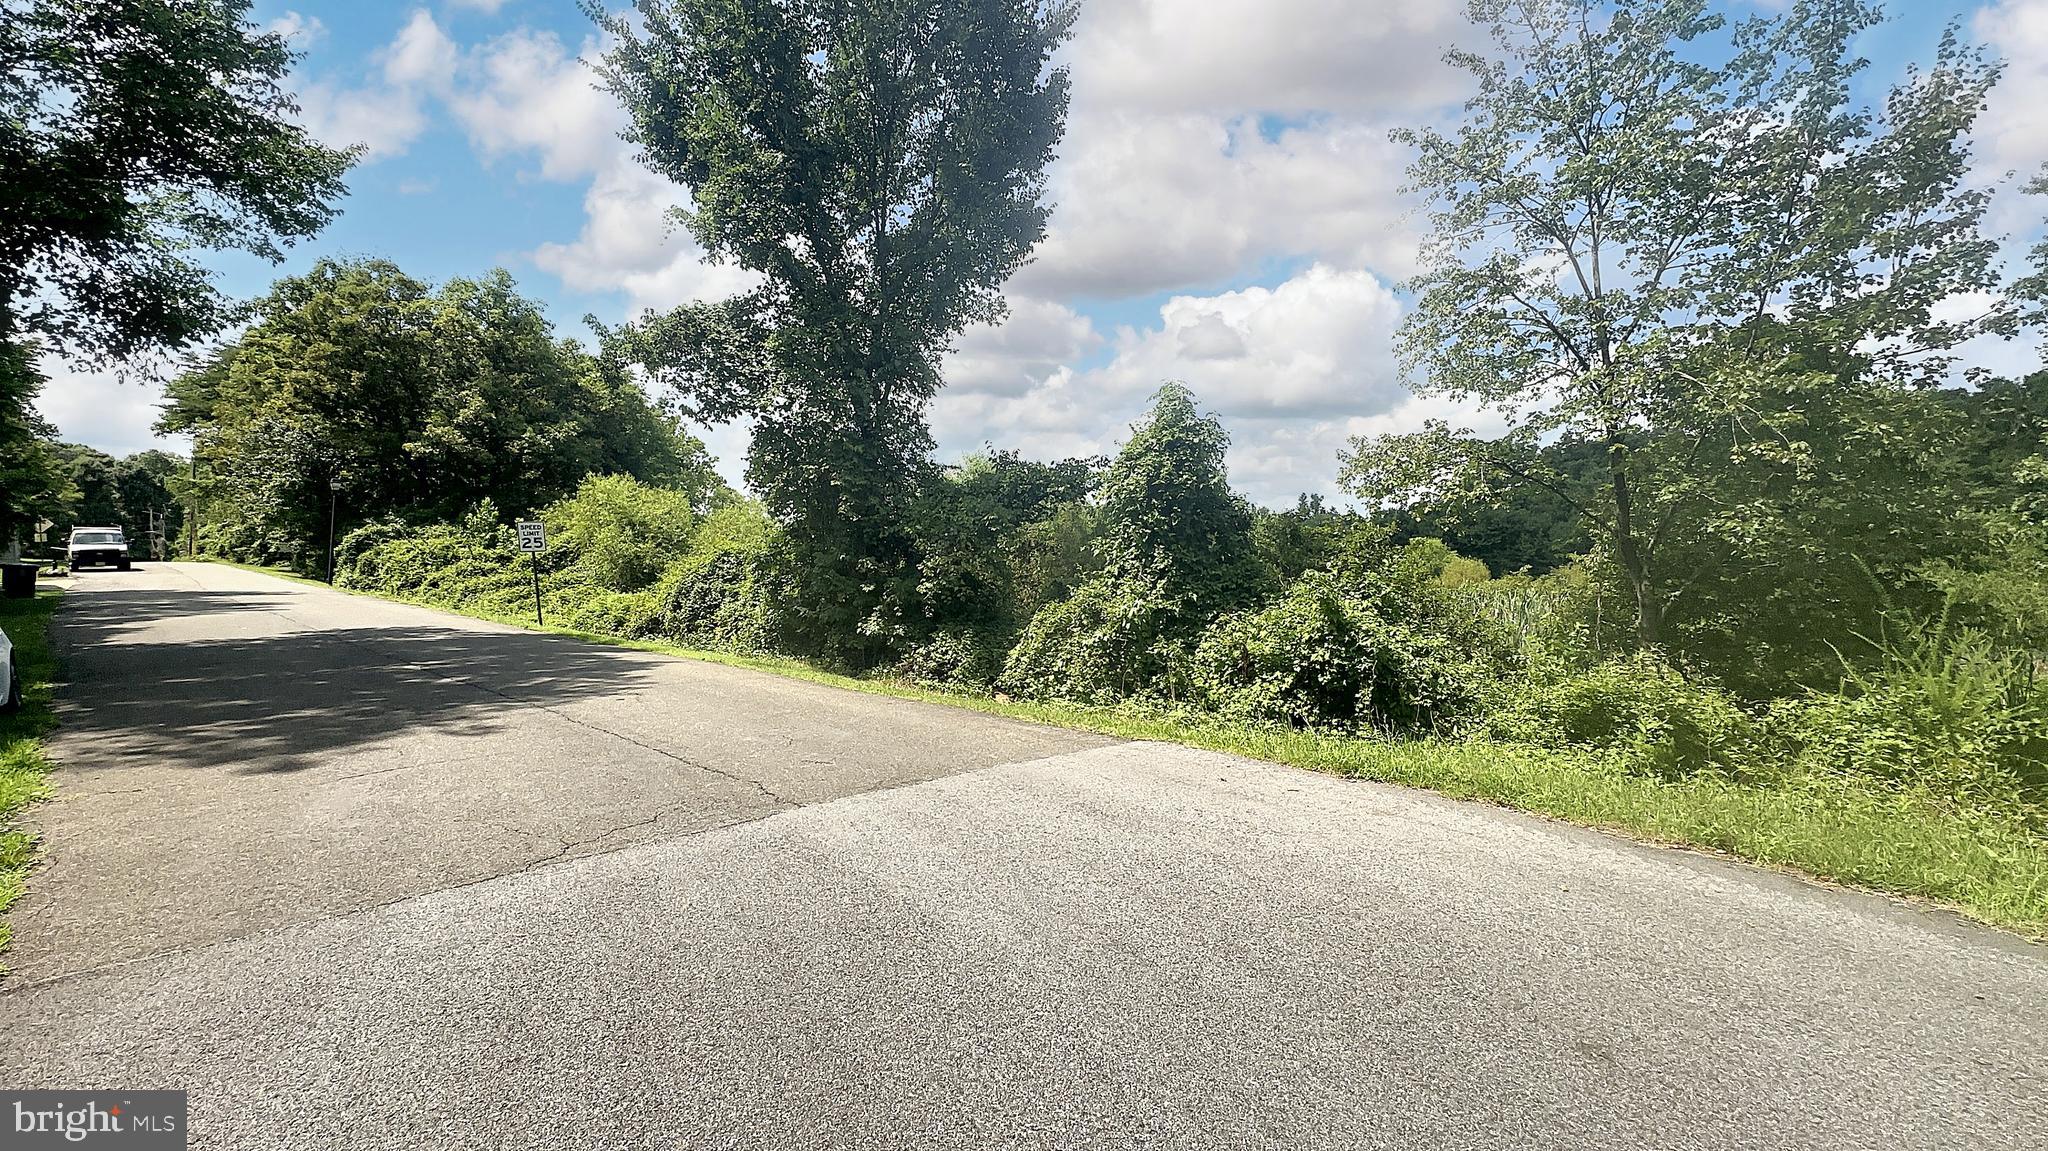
(10, 698)
(98, 546)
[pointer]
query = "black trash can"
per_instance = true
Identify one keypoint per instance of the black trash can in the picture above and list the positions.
(18, 580)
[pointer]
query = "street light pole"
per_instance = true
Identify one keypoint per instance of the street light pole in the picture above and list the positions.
(333, 499)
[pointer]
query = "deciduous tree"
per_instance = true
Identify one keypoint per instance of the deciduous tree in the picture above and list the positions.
(1690, 244)
(134, 134)
(881, 167)
(418, 402)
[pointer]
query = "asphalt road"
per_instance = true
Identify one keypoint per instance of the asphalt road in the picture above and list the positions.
(359, 875)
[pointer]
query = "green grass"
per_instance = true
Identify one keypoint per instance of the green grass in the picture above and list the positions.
(281, 573)
(1990, 869)
(24, 772)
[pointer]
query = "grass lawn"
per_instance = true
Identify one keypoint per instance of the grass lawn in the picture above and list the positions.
(24, 773)
(1986, 867)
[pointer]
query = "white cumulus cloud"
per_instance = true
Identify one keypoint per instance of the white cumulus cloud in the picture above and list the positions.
(1208, 141)
(299, 30)
(100, 408)
(1292, 370)
(385, 110)
(1279, 56)
(2013, 132)
(525, 95)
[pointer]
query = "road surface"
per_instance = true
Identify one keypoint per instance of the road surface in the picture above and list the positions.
(360, 875)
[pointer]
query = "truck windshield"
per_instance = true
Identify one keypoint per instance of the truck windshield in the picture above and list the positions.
(97, 538)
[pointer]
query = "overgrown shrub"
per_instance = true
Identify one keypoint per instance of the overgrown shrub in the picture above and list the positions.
(1562, 619)
(1171, 521)
(373, 534)
(429, 563)
(1945, 712)
(1321, 657)
(620, 531)
(987, 544)
(718, 595)
(1056, 555)
(954, 660)
(720, 603)
(740, 526)
(1108, 641)
(1638, 714)
(628, 615)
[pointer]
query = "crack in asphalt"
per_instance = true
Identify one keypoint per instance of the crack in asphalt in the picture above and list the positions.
(561, 856)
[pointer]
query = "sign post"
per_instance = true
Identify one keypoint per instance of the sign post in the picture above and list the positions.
(533, 540)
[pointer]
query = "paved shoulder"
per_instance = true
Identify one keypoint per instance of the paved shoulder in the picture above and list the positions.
(240, 752)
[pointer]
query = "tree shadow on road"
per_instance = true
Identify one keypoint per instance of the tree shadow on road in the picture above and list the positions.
(140, 694)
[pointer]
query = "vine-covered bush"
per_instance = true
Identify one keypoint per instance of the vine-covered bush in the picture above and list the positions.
(371, 535)
(719, 602)
(719, 594)
(1636, 713)
(954, 660)
(439, 563)
(620, 532)
(629, 615)
(1107, 642)
(1320, 656)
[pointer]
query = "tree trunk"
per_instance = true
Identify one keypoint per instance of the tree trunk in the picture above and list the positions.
(1634, 565)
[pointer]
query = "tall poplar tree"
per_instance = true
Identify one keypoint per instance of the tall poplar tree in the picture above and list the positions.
(881, 165)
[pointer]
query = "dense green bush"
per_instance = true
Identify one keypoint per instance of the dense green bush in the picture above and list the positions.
(1055, 555)
(373, 534)
(722, 602)
(978, 529)
(1638, 714)
(707, 594)
(1320, 656)
(473, 565)
(1307, 537)
(720, 594)
(427, 562)
(621, 532)
(955, 661)
(1108, 641)
(738, 527)
(1563, 619)
(1176, 548)
(628, 615)
(1946, 712)
(1171, 521)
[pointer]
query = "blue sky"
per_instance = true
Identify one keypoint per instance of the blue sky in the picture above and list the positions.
(1228, 210)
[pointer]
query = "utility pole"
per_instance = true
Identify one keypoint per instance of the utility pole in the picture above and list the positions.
(333, 499)
(194, 526)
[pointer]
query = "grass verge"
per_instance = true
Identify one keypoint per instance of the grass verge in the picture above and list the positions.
(24, 772)
(280, 573)
(1992, 870)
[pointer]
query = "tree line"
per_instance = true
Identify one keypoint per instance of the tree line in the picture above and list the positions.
(358, 392)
